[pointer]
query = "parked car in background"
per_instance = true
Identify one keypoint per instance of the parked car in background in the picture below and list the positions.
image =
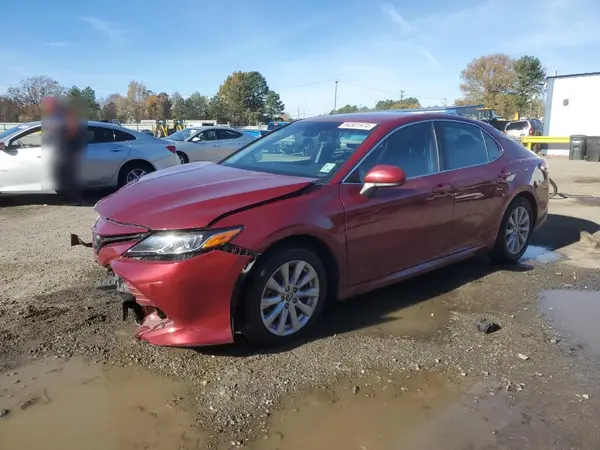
(114, 157)
(211, 143)
(260, 242)
(254, 133)
(525, 127)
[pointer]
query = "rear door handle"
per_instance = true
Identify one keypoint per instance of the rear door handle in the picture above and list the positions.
(116, 149)
(443, 189)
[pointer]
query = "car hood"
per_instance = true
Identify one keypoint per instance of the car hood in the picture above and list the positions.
(194, 195)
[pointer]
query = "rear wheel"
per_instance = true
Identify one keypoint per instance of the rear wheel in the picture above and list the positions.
(133, 171)
(183, 159)
(514, 233)
(285, 296)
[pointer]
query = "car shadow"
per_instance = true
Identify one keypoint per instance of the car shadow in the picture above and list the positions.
(374, 309)
(88, 197)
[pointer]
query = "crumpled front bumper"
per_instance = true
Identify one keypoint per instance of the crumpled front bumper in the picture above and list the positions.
(177, 303)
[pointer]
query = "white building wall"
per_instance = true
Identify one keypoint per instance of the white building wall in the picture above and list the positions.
(580, 115)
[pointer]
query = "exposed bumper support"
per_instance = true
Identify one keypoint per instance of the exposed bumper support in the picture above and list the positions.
(76, 240)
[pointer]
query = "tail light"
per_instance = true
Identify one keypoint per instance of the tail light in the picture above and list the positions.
(530, 131)
(172, 149)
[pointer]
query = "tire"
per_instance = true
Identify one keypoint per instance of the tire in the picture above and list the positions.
(502, 252)
(183, 159)
(553, 188)
(134, 166)
(255, 325)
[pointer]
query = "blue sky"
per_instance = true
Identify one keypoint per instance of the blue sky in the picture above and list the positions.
(374, 48)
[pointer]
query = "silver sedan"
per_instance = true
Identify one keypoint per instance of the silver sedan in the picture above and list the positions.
(114, 156)
(212, 143)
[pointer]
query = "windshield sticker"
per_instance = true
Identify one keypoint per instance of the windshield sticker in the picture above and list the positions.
(358, 125)
(327, 168)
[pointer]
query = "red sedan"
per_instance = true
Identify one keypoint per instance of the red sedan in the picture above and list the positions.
(319, 210)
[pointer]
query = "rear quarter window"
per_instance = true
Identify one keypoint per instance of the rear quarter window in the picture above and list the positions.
(121, 136)
(493, 148)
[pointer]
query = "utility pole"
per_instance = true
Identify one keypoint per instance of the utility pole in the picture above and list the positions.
(335, 97)
(401, 96)
(298, 113)
(445, 102)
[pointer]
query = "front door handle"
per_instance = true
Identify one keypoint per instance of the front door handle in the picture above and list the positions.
(443, 189)
(504, 175)
(116, 149)
(215, 145)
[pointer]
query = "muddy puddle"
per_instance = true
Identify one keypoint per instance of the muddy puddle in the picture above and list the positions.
(423, 412)
(535, 253)
(576, 315)
(55, 405)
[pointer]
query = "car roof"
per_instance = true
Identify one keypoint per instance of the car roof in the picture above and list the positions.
(389, 118)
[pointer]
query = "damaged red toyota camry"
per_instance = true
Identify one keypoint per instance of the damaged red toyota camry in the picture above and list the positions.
(320, 210)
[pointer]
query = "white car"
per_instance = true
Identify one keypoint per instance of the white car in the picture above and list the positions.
(212, 143)
(114, 157)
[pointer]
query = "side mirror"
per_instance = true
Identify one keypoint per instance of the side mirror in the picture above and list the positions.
(196, 139)
(382, 176)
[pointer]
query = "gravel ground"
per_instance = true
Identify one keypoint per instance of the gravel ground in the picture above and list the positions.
(48, 307)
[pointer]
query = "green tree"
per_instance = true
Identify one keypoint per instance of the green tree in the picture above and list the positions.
(87, 99)
(405, 103)
(530, 77)
(216, 110)
(345, 109)
(243, 96)
(179, 110)
(197, 106)
(274, 107)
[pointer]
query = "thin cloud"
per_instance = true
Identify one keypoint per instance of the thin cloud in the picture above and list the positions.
(109, 29)
(56, 44)
(395, 16)
(427, 54)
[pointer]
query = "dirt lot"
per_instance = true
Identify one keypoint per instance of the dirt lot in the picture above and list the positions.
(404, 367)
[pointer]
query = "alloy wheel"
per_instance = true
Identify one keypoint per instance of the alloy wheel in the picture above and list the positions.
(517, 230)
(289, 298)
(134, 175)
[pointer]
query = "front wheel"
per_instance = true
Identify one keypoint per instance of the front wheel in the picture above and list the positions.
(285, 297)
(514, 233)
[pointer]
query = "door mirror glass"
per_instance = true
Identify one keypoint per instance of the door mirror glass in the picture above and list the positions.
(382, 176)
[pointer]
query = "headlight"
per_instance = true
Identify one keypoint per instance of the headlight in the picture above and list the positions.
(182, 243)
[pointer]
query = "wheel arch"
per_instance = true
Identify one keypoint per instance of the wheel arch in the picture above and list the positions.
(307, 241)
(132, 162)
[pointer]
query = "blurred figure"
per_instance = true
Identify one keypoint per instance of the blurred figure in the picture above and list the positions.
(63, 135)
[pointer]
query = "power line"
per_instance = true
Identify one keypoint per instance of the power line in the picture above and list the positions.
(400, 93)
(307, 84)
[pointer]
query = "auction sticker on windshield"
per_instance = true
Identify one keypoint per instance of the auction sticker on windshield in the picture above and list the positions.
(327, 167)
(358, 125)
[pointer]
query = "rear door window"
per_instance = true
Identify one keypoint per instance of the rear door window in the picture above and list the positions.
(100, 135)
(462, 144)
(516, 126)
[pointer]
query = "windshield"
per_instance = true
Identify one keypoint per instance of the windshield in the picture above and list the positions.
(11, 131)
(311, 149)
(181, 135)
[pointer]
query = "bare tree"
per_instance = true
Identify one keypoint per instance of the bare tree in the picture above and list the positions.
(9, 110)
(30, 93)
